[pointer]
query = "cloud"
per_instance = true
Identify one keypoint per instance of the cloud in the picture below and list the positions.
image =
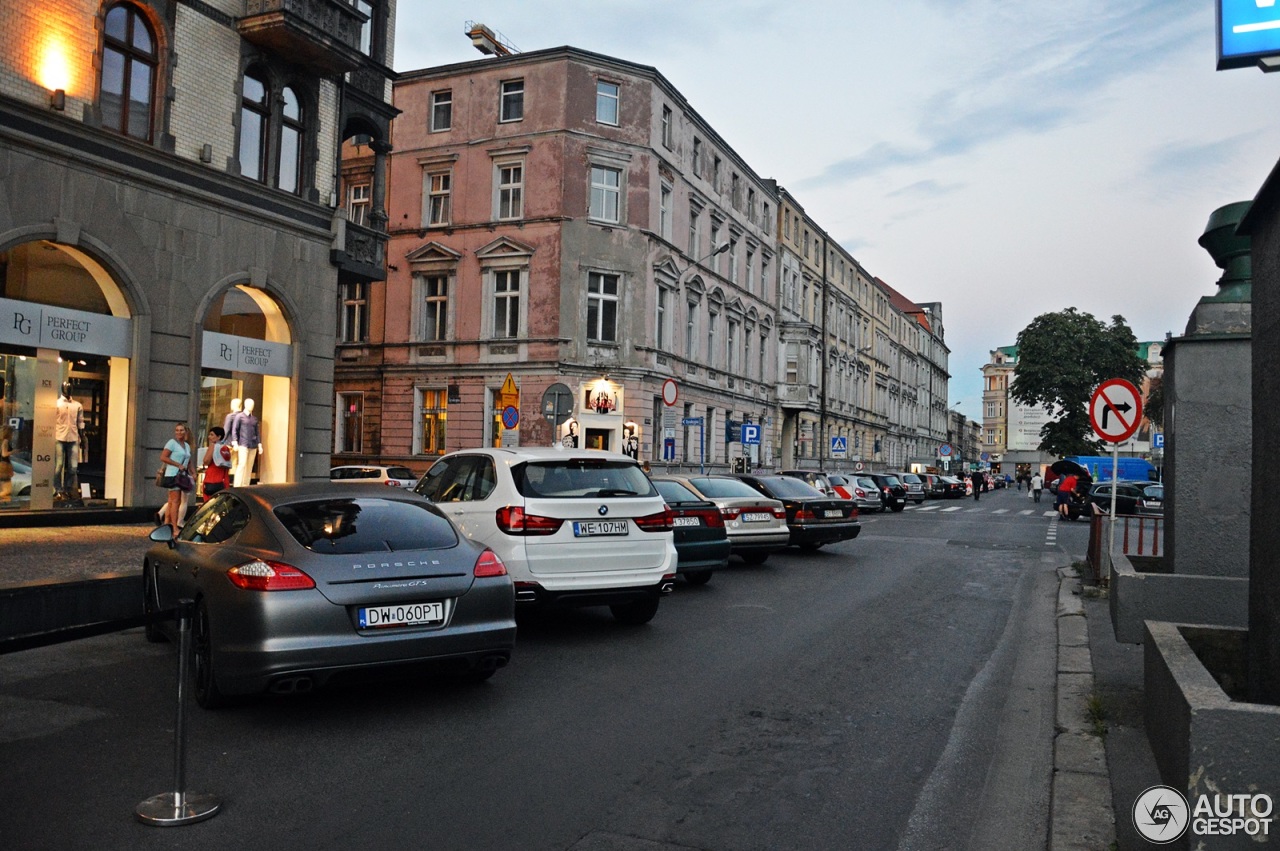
(926, 189)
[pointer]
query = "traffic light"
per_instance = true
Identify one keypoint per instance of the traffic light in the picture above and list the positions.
(740, 465)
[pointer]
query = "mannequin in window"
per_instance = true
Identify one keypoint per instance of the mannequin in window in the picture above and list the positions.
(246, 441)
(68, 426)
(229, 421)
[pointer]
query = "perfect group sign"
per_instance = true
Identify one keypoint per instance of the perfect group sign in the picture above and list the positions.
(1248, 30)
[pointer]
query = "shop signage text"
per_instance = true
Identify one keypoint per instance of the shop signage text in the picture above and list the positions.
(44, 326)
(245, 354)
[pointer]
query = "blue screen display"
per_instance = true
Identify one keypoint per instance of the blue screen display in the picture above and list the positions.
(1247, 31)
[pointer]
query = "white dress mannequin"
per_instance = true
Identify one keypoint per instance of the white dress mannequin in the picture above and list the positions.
(247, 443)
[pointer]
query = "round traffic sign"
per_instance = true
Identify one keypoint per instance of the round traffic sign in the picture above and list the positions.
(1115, 410)
(944, 450)
(510, 417)
(669, 392)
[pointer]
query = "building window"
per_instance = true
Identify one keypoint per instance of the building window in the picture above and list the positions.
(289, 165)
(733, 260)
(441, 111)
(606, 194)
(254, 119)
(764, 356)
(602, 307)
(512, 106)
(439, 192)
(661, 332)
(366, 28)
(433, 413)
(435, 304)
(695, 227)
(506, 303)
(348, 431)
(664, 212)
(510, 190)
(607, 102)
(713, 334)
(731, 348)
(128, 72)
(358, 203)
(751, 271)
(792, 374)
(354, 313)
(697, 156)
(667, 130)
(715, 173)
(272, 134)
(691, 330)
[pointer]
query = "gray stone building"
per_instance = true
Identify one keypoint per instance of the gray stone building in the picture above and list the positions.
(171, 231)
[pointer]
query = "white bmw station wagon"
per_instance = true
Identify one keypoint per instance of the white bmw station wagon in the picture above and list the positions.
(576, 527)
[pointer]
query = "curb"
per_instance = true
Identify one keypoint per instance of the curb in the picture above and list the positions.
(1080, 812)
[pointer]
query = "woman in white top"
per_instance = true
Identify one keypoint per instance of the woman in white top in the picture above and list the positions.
(176, 456)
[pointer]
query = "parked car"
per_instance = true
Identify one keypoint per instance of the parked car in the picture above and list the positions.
(576, 527)
(893, 495)
(932, 486)
(841, 484)
(812, 478)
(866, 494)
(702, 544)
(295, 585)
(814, 518)
(914, 485)
(1146, 498)
(363, 474)
(953, 488)
(755, 524)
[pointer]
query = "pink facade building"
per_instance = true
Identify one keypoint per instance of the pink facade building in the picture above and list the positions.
(566, 236)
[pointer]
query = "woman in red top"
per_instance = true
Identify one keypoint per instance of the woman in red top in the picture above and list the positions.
(216, 462)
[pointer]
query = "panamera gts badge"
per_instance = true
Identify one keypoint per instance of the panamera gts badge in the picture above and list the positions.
(602, 510)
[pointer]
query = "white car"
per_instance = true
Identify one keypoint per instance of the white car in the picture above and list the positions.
(577, 527)
(372, 474)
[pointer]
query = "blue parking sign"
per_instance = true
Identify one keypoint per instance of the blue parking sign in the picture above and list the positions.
(750, 434)
(1157, 440)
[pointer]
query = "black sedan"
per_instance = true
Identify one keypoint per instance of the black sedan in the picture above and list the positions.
(813, 518)
(951, 488)
(893, 494)
(702, 542)
(296, 585)
(1138, 498)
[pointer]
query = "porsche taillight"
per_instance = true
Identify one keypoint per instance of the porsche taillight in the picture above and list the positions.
(489, 565)
(261, 575)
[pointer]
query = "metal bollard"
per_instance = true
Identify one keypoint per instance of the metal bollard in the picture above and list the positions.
(170, 809)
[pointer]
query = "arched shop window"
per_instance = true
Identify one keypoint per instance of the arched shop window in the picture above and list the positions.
(64, 376)
(247, 362)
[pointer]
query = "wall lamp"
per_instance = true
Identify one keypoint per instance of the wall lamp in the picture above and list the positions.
(58, 99)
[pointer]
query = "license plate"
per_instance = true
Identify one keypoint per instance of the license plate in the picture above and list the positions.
(835, 513)
(685, 521)
(600, 527)
(405, 614)
(756, 516)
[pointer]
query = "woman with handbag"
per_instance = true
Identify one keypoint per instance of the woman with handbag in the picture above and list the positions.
(177, 475)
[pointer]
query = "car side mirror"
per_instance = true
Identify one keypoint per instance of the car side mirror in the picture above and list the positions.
(162, 534)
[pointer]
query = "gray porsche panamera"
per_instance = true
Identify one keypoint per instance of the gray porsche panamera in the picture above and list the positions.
(299, 585)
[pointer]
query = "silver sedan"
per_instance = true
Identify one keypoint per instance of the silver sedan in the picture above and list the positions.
(756, 524)
(297, 585)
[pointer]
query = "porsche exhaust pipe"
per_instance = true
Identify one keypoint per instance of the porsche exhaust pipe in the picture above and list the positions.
(292, 685)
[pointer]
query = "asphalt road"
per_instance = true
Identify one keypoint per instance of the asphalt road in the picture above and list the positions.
(892, 692)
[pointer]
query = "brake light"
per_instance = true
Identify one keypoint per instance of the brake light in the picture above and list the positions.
(269, 576)
(780, 514)
(392, 482)
(805, 514)
(660, 522)
(489, 565)
(731, 513)
(513, 520)
(713, 518)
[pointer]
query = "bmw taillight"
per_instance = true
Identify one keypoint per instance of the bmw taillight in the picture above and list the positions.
(514, 520)
(269, 576)
(660, 522)
(489, 565)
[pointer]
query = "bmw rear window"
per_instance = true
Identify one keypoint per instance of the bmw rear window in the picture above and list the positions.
(350, 526)
(575, 478)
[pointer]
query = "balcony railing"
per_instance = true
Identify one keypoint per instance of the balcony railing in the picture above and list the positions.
(321, 34)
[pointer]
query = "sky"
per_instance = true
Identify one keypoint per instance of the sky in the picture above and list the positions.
(1005, 159)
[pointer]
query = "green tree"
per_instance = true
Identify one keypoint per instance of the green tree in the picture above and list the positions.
(1154, 406)
(1062, 358)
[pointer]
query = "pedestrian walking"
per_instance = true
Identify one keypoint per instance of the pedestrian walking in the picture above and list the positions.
(978, 481)
(1036, 485)
(177, 461)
